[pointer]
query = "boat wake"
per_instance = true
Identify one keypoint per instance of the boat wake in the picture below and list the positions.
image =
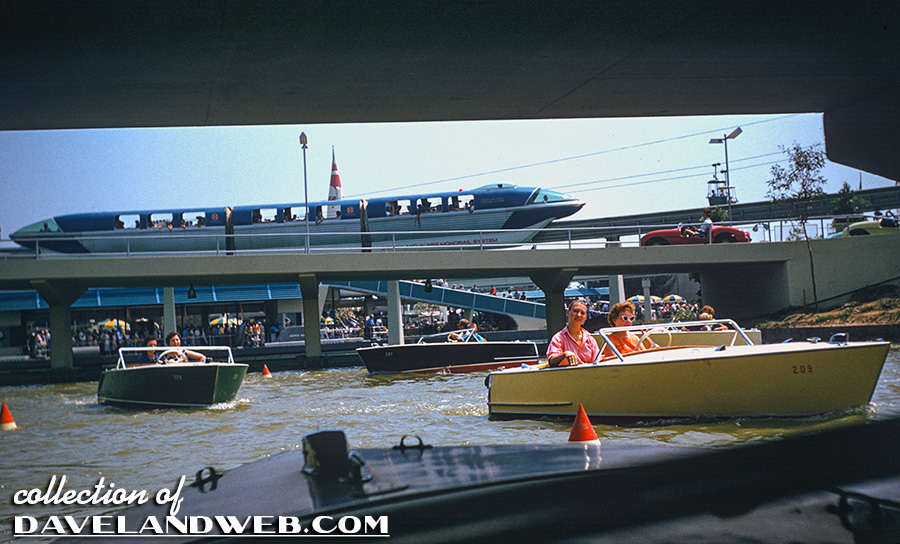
(230, 405)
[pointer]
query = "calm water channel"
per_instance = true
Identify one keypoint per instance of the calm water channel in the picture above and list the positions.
(63, 431)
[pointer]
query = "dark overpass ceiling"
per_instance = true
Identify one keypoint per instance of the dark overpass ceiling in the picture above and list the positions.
(69, 64)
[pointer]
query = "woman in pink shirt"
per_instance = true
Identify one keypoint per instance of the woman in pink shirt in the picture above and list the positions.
(573, 345)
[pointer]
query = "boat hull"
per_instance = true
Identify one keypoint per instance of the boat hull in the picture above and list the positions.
(191, 385)
(739, 381)
(447, 357)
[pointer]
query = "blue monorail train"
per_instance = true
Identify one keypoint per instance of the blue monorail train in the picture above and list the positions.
(499, 214)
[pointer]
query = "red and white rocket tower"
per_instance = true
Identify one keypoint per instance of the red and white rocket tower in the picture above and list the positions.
(334, 190)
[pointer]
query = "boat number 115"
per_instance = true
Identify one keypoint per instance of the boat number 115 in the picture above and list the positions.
(802, 369)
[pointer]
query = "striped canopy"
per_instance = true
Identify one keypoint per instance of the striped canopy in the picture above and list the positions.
(221, 321)
(116, 324)
(640, 299)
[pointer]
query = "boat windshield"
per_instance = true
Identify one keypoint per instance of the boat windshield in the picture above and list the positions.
(129, 357)
(464, 335)
(644, 331)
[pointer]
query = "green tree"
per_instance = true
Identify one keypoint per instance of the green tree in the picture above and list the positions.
(846, 206)
(847, 203)
(801, 182)
(797, 185)
(718, 214)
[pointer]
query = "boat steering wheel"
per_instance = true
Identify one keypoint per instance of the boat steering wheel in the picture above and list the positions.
(652, 343)
(172, 356)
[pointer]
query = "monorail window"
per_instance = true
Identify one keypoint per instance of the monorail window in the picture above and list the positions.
(333, 211)
(161, 221)
(47, 225)
(427, 205)
(543, 196)
(295, 213)
(193, 219)
(460, 203)
(265, 215)
(128, 221)
(404, 207)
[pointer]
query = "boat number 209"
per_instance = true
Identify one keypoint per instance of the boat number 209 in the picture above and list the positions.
(802, 369)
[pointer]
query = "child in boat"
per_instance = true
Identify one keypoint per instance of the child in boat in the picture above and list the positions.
(707, 313)
(473, 333)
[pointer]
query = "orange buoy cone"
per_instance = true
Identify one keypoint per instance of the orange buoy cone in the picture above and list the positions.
(6, 420)
(266, 371)
(582, 430)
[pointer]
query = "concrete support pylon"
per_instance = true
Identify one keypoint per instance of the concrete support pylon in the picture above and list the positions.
(60, 296)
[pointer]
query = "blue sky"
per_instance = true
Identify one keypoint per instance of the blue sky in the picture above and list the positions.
(617, 166)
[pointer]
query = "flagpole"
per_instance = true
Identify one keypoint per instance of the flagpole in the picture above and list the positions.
(305, 190)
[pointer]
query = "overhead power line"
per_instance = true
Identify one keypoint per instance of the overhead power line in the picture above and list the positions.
(645, 182)
(581, 185)
(572, 158)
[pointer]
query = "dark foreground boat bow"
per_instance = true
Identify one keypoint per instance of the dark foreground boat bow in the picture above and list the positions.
(837, 486)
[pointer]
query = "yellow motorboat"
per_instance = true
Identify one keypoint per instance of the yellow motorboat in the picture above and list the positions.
(728, 380)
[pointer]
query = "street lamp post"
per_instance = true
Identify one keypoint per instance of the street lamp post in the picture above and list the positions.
(724, 140)
(305, 191)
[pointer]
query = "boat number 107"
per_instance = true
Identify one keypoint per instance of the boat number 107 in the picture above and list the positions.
(802, 369)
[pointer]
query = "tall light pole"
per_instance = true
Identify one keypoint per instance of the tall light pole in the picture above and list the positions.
(724, 140)
(305, 190)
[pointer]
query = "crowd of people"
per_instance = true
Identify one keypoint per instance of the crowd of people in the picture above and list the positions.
(572, 345)
(110, 339)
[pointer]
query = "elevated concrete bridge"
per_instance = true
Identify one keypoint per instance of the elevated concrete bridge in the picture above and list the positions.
(740, 280)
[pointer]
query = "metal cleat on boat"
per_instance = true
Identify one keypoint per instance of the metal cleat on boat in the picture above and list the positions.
(838, 338)
(325, 454)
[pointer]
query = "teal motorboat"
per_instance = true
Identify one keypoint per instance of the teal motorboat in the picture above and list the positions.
(171, 379)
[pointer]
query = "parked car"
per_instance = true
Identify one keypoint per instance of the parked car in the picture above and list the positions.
(880, 225)
(676, 236)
